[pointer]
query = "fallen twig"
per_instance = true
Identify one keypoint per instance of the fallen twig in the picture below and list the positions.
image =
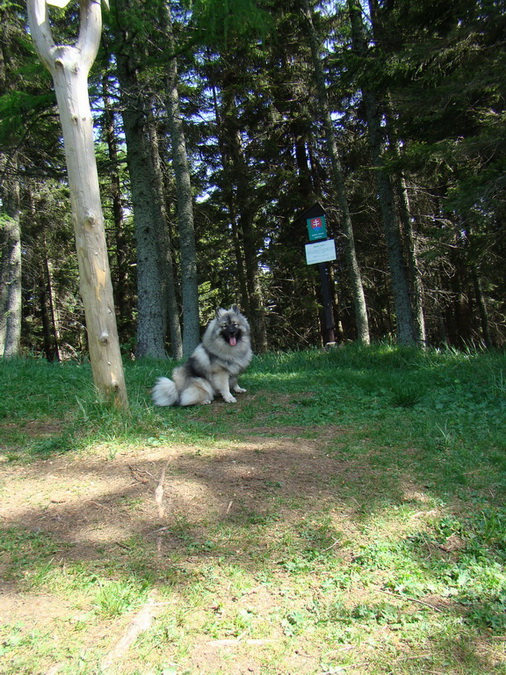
(331, 546)
(251, 591)
(125, 546)
(140, 623)
(159, 493)
(102, 506)
(234, 641)
(407, 597)
(136, 474)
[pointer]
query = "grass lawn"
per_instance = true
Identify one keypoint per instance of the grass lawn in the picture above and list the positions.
(345, 516)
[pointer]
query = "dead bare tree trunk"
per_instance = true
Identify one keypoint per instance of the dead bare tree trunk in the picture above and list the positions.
(69, 67)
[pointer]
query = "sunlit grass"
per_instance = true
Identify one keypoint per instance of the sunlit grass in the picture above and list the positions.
(397, 566)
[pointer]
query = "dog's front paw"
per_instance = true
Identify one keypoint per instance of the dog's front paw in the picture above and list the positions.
(228, 398)
(239, 390)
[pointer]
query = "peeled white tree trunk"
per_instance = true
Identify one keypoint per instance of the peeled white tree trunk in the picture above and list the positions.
(69, 66)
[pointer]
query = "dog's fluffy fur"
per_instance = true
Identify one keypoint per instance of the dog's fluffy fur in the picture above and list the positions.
(213, 368)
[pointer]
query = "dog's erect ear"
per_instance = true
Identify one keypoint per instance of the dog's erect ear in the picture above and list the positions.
(220, 312)
(235, 309)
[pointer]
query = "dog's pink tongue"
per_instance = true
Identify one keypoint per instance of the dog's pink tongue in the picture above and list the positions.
(232, 341)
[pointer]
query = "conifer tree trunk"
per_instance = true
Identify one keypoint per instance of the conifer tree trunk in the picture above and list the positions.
(136, 104)
(189, 281)
(229, 200)
(52, 338)
(166, 262)
(10, 233)
(243, 222)
(412, 256)
(150, 300)
(111, 138)
(361, 319)
(398, 268)
(69, 67)
(482, 308)
(157, 305)
(10, 269)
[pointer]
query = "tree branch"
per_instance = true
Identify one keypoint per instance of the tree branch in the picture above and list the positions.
(41, 31)
(90, 31)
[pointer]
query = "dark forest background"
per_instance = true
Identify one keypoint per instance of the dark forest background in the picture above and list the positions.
(388, 113)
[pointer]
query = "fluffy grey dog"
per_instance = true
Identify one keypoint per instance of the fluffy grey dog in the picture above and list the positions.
(213, 368)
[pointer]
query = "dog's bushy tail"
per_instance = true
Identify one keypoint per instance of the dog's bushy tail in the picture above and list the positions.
(165, 392)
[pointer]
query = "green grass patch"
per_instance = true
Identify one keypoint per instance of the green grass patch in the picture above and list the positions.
(379, 548)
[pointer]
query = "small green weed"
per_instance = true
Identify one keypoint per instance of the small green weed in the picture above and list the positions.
(114, 598)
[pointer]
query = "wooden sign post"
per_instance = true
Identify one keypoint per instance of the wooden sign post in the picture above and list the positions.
(320, 251)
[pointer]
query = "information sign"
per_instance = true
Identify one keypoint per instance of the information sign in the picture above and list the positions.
(321, 251)
(317, 228)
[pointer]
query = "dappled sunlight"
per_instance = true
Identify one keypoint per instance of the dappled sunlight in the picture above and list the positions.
(242, 519)
(272, 483)
(92, 498)
(335, 512)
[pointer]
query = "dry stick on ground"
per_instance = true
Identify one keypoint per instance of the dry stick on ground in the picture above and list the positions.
(54, 669)
(125, 546)
(235, 641)
(140, 623)
(406, 597)
(159, 492)
(102, 506)
(331, 546)
(136, 474)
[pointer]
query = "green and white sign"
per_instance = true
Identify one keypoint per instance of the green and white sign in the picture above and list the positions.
(317, 228)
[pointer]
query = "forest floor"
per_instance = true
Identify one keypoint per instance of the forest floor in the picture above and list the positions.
(260, 546)
(92, 507)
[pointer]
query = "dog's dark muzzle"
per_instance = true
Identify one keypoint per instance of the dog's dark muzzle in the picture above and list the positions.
(232, 335)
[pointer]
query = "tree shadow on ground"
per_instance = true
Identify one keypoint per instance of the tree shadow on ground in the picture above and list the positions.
(263, 503)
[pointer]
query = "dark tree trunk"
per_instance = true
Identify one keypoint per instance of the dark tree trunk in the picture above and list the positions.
(150, 298)
(361, 319)
(229, 200)
(241, 209)
(189, 280)
(121, 280)
(482, 308)
(398, 268)
(168, 277)
(10, 269)
(415, 276)
(10, 232)
(49, 315)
